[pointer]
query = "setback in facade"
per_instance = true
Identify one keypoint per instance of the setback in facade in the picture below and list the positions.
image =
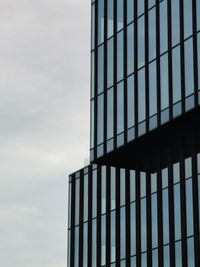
(138, 203)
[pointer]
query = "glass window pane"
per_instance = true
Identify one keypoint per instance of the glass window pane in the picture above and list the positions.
(163, 27)
(177, 212)
(76, 246)
(188, 167)
(110, 63)
(120, 107)
(151, 3)
(175, 11)
(92, 124)
(132, 185)
(130, 10)
(154, 217)
(130, 101)
(122, 233)
(120, 56)
(140, 4)
(178, 254)
(85, 242)
(176, 172)
(176, 73)
(189, 71)
(110, 18)
(141, 42)
(152, 34)
(94, 243)
(77, 195)
(198, 49)
(199, 198)
(93, 26)
(153, 182)
(198, 14)
(144, 260)
(133, 229)
(100, 117)
(130, 48)
(164, 177)
(85, 199)
(164, 81)
(122, 187)
(112, 237)
(166, 257)
(94, 194)
(120, 14)
(141, 96)
(69, 204)
(100, 21)
(110, 114)
(189, 207)
(165, 211)
(103, 189)
(155, 258)
(143, 225)
(113, 188)
(187, 18)
(103, 240)
(152, 89)
(133, 262)
(100, 75)
(92, 75)
(142, 184)
(190, 245)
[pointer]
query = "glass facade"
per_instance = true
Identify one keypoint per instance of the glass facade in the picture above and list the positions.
(146, 55)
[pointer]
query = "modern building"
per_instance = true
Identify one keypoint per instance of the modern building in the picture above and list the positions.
(138, 203)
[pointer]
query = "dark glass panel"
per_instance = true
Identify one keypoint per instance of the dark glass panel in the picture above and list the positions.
(140, 5)
(189, 207)
(92, 75)
(77, 195)
(143, 225)
(103, 189)
(76, 246)
(178, 254)
(188, 167)
(100, 75)
(69, 204)
(144, 260)
(113, 189)
(198, 49)
(85, 242)
(132, 185)
(93, 26)
(153, 182)
(92, 124)
(152, 89)
(198, 14)
(103, 240)
(166, 256)
(155, 258)
(85, 198)
(142, 184)
(94, 243)
(94, 194)
(164, 177)
(190, 246)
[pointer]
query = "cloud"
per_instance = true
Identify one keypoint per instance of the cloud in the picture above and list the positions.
(44, 132)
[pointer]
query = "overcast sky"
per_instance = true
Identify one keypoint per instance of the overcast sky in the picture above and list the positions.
(44, 124)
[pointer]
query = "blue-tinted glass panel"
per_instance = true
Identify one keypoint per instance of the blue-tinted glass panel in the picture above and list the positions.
(177, 212)
(130, 101)
(198, 14)
(100, 75)
(198, 40)
(112, 237)
(163, 27)
(77, 195)
(188, 167)
(152, 34)
(130, 10)
(122, 187)
(120, 56)
(189, 70)
(76, 246)
(113, 188)
(93, 26)
(153, 182)
(140, 5)
(85, 198)
(176, 172)
(133, 228)
(189, 207)
(132, 185)
(110, 113)
(122, 233)
(130, 48)
(155, 258)
(141, 95)
(166, 256)
(92, 75)
(94, 194)
(110, 63)
(103, 240)
(103, 189)
(144, 260)
(164, 81)
(190, 246)
(120, 107)
(123, 263)
(175, 13)
(178, 254)
(152, 89)
(100, 21)
(120, 14)
(151, 3)
(165, 211)
(92, 124)
(176, 73)
(187, 4)
(141, 42)
(110, 20)
(100, 118)
(142, 184)
(94, 243)
(154, 217)
(85, 242)
(143, 225)
(133, 262)
(164, 177)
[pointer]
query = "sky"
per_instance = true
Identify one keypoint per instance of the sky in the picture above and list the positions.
(44, 124)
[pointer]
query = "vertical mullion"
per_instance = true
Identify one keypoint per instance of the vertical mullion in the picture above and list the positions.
(115, 73)
(135, 66)
(98, 216)
(128, 240)
(105, 75)
(89, 216)
(146, 65)
(108, 213)
(158, 61)
(149, 221)
(72, 243)
(118, 217)
(81, 179)
(95, 77)
(138, 220)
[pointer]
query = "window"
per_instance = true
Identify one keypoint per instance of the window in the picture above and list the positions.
(94, 243)
(189, 207)
(141, 42)
(76, 246)
(187, 18)
(122, 233)
(132, 185)
(103, 189)
(188, 167)
(142, 184)
(112, 236)
(120, 14)
(110, 63)
(176, 172)
(130, 10)
(133, 228)
(164, 81)
(175, 11)
(163, 27)
(110, 24)
(110, 114)
(120, 107)
(152, 34)
(165, 211)
(85, 199)
(140, 5)
(92, 124)
(93, 26)
(69, 204)
(164, 177)
(189, 71)
(152, 89)
(176, 73)
(103, 240)
(144, 260)
(198, 14)
(198, 39)
(178, 254)
(113, 188)
(100, 117)
(133, 261)
(177, 212)
(120, 56)
(100, 75)
(143, 225)
(166, 256)
(94, 194)
(85, 242)
(130, 48)
(100, 21)
(77, 210)
(130, 101)
(141, 96)
(151, 3)
(190, 246)
(154, 217)
(92, 75)
(155, 258)
(153, 182)
(122, 187)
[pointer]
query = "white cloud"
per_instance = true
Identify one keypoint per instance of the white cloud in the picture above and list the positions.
(44, 132)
